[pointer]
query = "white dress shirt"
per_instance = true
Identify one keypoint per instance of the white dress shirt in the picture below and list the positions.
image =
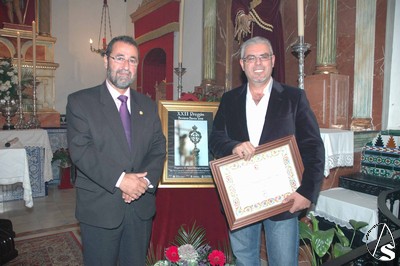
(255, 114)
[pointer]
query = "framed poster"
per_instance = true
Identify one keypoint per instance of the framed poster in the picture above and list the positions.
(186, 126)
(253, 190)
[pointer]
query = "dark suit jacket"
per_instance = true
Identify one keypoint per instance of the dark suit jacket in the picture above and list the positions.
(288, 113)
(99, 149)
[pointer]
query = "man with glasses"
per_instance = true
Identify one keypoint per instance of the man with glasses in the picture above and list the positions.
(116, 141)
(258, 112)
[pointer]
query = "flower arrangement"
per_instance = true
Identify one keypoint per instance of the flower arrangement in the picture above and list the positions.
(9, 80)
(190, 249)
(200, 94)
(63, 156)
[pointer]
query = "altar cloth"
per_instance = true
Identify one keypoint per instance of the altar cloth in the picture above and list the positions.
(339, 148)
(14, 168)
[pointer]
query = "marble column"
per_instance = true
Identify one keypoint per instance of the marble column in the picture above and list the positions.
(208, 84)
(209, 41)
(44, 17)
(328, 91)
(326, 37)
(364, 65)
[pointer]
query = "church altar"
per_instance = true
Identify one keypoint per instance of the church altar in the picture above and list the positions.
(39, 155)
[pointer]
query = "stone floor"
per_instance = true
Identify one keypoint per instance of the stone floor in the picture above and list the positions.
(55, 209)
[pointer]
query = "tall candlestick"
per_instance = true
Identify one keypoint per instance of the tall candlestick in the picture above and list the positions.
(19, 58)
(21, 120)
(34, 51)
(180, 52)
(300, 17)
(34, 121)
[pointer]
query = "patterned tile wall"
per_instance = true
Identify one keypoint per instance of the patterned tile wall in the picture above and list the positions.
(381, 157)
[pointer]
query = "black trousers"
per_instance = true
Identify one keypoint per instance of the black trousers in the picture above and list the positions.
(125, 245)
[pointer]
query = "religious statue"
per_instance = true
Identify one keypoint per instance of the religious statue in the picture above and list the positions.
(261, 18)
(14, 7)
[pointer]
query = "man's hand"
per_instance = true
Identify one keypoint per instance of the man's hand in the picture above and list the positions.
(245, 150)
(299, 202)
(133, 186)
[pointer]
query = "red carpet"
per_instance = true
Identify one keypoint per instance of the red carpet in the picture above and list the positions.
(56, 246)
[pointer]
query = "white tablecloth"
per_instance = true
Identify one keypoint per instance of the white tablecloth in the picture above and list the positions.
(340, 205)
(33, 138)
(14, 168)
(339, 148)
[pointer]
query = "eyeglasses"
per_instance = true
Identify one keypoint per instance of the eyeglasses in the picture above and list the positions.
(252, 58)
(121, 60)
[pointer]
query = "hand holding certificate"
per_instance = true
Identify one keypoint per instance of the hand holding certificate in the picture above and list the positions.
(254, 190)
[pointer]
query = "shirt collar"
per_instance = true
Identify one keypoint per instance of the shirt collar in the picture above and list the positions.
(114, 93)
(266, 91)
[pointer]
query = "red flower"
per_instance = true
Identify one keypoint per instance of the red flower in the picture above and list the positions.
(216, 258)
(188, 97)
(172, 254)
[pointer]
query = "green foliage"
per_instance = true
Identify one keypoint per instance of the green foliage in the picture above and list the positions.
(154, 254)
(195, 236)
(62, 155)
(323, 241)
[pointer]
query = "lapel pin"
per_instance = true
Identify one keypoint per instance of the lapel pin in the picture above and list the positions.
(140, 112)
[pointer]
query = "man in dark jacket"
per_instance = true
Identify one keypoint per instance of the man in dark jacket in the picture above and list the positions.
(258, 112)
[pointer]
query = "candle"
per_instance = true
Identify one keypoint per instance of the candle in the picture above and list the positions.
(19, 58)
(34, 52)
(180, 52)
(300, 17)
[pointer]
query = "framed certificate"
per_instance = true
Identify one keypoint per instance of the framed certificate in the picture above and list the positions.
(253, 190)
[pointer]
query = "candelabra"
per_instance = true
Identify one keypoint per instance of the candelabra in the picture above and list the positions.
(21, 120)
(34, 121)
(180, 71)
(105, 15)
(98, 51)
(301, 48)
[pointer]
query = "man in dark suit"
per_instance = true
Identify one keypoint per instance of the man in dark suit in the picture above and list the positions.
(258, 112)
(119, 161)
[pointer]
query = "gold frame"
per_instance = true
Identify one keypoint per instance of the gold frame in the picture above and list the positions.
(166, 110)
(239, 210)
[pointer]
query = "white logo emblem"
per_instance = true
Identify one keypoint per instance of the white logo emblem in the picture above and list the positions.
(387, 252)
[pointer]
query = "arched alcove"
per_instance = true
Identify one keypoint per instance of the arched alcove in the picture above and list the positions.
(153, 71)
(7, 49)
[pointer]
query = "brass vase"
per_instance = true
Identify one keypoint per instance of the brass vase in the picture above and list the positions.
(8, 108)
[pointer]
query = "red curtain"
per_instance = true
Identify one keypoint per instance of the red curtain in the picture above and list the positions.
(154, 67)
(184, 206)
